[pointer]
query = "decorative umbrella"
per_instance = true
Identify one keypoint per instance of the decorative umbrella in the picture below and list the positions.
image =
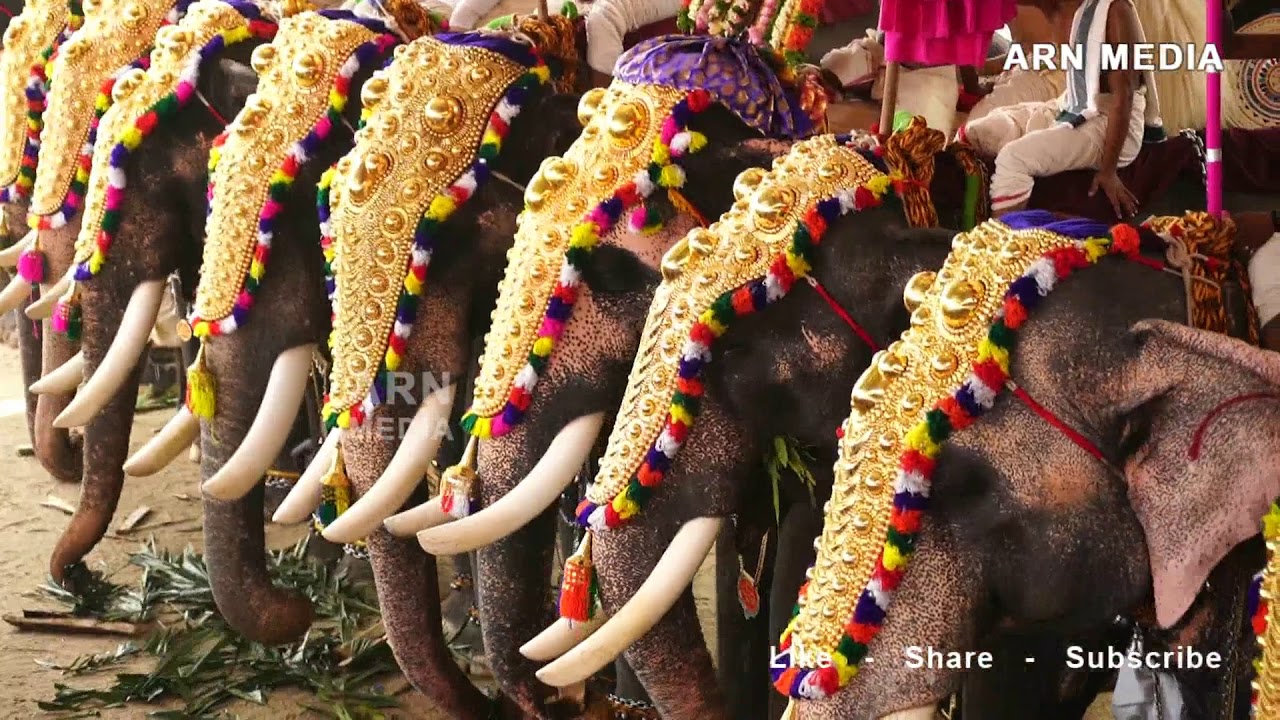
(936, 32)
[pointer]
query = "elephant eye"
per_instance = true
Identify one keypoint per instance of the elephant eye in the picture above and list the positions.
(1135, 436)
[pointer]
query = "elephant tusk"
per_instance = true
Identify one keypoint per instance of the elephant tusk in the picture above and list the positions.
(404, 473)
(270, 429)
(120, 359)
(924, 712)
(305, 495)
(9, 256)
(427, 515)
(176, 436)
(63, 379)
(14, 293)
(559, 639)
(42, 309)
(555, 470)
(659, 592)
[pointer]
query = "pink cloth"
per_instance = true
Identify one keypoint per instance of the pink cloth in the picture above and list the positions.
(942, 32)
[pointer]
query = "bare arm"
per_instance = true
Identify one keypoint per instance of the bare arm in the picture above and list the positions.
(1122, 28)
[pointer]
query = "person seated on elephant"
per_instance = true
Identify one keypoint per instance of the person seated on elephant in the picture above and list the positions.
(1015, 85)
(1075, 131)
(1258, 236)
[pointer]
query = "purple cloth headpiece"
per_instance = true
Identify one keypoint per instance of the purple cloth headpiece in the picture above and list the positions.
(731, 70)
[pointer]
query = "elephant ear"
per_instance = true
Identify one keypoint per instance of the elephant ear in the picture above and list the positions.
(1203, 413)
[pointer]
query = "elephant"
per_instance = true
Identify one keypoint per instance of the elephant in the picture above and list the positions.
(158, 230)
(992, 518)
(41, 26)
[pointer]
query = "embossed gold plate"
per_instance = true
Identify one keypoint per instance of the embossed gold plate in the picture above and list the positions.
(26, 37)
(430, 108)
(296, 72)
(621, 126)
(703, 266)
(115, 33)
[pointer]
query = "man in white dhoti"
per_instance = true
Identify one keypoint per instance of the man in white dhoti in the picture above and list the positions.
(1099, 122)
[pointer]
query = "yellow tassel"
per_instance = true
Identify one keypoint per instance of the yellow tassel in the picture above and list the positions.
(335, 491)
(201, 388)
(456, 482)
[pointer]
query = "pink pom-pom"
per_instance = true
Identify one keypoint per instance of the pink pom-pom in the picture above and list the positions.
(31, 266)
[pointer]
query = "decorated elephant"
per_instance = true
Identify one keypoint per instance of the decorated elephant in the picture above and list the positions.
(29, 43)
(120, 317)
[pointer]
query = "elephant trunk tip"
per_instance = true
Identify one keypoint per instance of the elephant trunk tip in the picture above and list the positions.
(275, 618)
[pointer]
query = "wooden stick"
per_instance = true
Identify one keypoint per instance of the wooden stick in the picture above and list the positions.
(542, 10)
(40, 621)
(888, 106)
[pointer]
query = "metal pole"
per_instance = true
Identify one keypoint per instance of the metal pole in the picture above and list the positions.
(1213, 112)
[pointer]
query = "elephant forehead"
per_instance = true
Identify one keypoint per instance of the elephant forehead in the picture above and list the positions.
(138, 94)
(115, 34)
(706, 268)
(27, 36)
(279, 126)
(431, 109)
(616, 143)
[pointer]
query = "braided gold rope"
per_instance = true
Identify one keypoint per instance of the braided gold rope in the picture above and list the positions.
(412, 19)
(1208, 237)
(911, 154)
(556, 37)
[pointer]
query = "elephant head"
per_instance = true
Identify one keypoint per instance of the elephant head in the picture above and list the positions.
(1130, 450)
(304, 76)
(143, 219)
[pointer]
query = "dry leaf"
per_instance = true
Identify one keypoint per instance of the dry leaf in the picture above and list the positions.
(57, 503)
(134, 518)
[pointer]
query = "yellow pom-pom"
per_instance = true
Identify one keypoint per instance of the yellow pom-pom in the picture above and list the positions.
(542, 346)
(879, 184)
(989, 351)
(843, 668)
(799, 266)
(697, 141)
(131, 138)
(661, 153)
(708, 318)
(584, 236)
(671, 176)
(412, 284)
(442, 206)
(625, 506)
(893, 558)
(256, 270)
(679, 414)
(96, 261)
(918, 439)
(1095, 249)
(483, 428)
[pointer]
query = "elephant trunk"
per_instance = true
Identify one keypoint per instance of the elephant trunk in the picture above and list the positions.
(408, 592)
(512, 586)
(234, 534)
(29, 333)
(106, 436)
(57, 449)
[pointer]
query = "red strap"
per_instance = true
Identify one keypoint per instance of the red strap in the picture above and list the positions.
(1053, 420)
(213, 111)
(846, 317)
(1193, 452)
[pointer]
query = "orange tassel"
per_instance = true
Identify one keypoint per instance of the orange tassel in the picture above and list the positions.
(578, 587)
